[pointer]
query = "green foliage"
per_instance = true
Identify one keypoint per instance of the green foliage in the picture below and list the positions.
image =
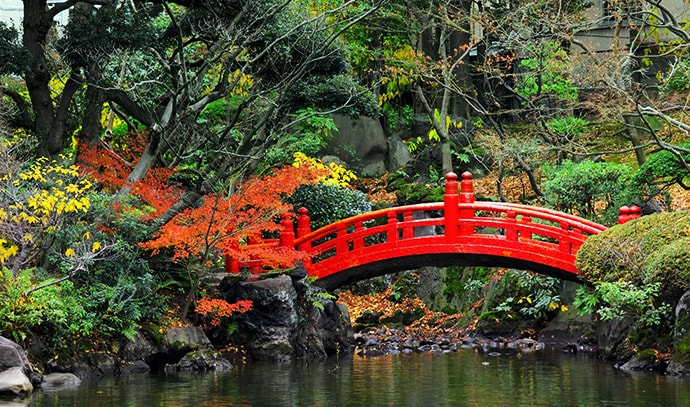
(618, 300)
(409, 192)
(676, 79)
(12, 55)
(649, 250)
(670, 266)
(398, 119)
(328, 203)
(582, 188)
(464, 286)
(310, 133)
(663, 167)
(534, 296)
(55, 314)
(547, 72)
(319, 297)
(567, 126)
(123, 292)
(339, 92)
(404, 287)
(90, 35)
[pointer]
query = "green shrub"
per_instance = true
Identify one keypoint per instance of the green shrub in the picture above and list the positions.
(662, 167)
(582, 188)
(670, 266)
(651, 249)
(622, 299)
(329, 203)
(55, 315)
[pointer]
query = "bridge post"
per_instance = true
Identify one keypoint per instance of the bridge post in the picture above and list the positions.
(627, 214)
(564, 242)
(287, 234)
(392, 228)
(466, 197)
(303, 222)
(511, 229)
(523, 234)
(450, 207)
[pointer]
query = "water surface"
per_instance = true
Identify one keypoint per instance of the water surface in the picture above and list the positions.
(465, 378)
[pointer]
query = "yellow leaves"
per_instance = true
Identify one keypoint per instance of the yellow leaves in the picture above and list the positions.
(338, 175)
(96, 246)
(433, 134)
(70, 252)
(37, 201)
(7, 250)
(525, 299)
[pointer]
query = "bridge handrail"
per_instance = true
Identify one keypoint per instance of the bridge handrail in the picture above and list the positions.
(462, 218)
(369, 216)
(585, 225)
(545, 214)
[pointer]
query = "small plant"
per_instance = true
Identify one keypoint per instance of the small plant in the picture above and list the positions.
(534, 296)
(318, 297)
(622, 299)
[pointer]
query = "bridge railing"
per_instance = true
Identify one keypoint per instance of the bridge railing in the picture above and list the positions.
(450, 222)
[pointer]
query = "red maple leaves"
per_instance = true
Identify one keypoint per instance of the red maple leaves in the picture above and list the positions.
(222, 224)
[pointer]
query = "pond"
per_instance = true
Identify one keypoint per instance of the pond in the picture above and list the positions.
(464, 378)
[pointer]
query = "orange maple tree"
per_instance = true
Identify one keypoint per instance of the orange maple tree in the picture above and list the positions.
(221, 224)
(227, 223)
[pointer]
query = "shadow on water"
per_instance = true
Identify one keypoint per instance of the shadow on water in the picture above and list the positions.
(465, 378)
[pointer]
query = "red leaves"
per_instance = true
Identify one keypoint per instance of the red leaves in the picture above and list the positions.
(221, 224)
(217, 308)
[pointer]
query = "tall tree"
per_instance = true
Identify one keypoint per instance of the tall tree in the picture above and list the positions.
(168, 66)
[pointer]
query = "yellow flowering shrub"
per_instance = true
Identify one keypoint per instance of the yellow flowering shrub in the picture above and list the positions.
(337, 174)
(37, 201)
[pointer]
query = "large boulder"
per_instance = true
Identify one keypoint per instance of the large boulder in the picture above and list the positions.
(680, 360)
(202, 360)
(398, 155)
(267, 331)
(60, 380)
(12, 355)
(361, 142)
(289, 319)
(13, 381)
(16, 373)
(185, 338)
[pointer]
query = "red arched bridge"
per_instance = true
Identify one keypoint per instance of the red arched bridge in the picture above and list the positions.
(457, 231)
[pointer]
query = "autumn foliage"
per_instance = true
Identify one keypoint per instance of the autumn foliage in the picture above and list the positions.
(222, 224)
(217, 308)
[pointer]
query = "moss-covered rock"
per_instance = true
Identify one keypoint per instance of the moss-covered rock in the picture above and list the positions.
(409, 192)
(654, 248)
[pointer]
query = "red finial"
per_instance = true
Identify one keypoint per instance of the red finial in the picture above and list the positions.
(466, 188)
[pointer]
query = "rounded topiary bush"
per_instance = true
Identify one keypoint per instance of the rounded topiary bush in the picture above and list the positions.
(671, 267)
(328, 203)
(654, 248)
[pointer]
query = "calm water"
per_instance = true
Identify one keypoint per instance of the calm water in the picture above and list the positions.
(465, 378)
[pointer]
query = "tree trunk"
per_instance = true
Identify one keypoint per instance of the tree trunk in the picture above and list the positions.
(36, 26)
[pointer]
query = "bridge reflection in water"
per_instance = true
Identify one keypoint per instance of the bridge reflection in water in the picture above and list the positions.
(457, 231)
